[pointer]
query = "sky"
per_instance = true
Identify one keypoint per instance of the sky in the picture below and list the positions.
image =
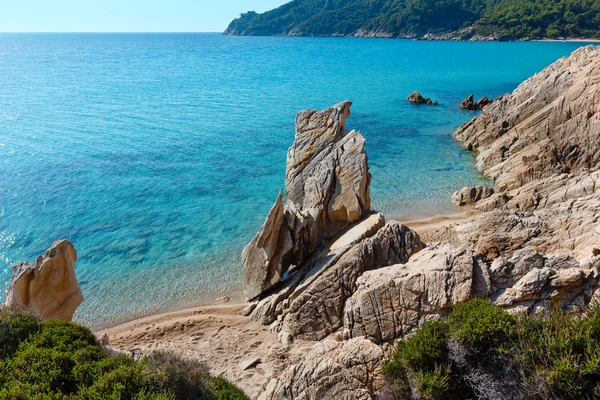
(125, 15)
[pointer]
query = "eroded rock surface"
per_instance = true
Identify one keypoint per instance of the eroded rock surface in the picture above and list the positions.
(471, 195)
(333, 371)
(548, 125)
(326, 189)
(48, 286)
(391, 302)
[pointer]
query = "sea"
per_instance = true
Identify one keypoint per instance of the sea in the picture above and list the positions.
(160, 155)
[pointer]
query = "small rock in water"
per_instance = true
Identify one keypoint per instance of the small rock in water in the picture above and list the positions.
(470, 104)
(416, 98)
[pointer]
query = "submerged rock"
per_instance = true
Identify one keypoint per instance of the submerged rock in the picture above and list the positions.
(48, 286)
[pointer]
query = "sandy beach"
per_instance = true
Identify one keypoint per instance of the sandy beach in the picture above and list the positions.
(231, 345)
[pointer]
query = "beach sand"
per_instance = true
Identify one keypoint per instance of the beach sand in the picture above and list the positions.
(216, 335)
(228, 342)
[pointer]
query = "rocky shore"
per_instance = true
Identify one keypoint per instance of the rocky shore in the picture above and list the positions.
(331, 284)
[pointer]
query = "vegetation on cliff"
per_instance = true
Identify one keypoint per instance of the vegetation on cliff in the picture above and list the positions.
(62, 360)
(505, 19)
(482, 351)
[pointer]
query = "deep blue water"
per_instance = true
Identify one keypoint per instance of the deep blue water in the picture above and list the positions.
(159, 155)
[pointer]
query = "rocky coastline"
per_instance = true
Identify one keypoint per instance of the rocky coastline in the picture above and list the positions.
(462, 35)
(331, 284)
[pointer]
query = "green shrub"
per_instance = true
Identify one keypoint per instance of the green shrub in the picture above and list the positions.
(427, 347)
(480, 324)
(186, 379)
(562, 349)
(62, 360)
(483, 349)
(15, 327)
(432, 384)
(225, 390)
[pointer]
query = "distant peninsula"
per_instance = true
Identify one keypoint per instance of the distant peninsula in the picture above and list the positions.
(476, 20)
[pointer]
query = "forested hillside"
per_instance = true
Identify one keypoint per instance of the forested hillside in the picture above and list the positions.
(462, 19)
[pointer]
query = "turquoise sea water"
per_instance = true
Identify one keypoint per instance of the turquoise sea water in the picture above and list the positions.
(159, 155)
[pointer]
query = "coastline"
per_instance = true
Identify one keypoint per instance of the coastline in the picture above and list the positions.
(449, 37)
(426, 223)
(230, 343)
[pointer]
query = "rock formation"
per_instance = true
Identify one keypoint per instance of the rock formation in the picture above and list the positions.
(533, 239)
(470, 104)
(326, 189)
(325, 230)
(334, 371)
(547, 126)
(471, 195)
(391, 302)
(416, 98)
(48, 286)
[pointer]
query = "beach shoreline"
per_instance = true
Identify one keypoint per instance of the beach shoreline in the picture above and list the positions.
(228, 342)
(426, 224)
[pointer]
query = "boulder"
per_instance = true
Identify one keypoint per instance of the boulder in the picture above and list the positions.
(470, 104)
(471, 195)
(48, 286)
(416, 98)
(316, 307)
(391, 302)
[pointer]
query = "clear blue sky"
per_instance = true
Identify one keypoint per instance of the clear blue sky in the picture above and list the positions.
(125, 15)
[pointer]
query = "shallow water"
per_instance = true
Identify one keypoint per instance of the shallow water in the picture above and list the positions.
(159, 155)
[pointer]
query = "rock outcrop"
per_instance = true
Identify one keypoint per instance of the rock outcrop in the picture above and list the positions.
(333, 371)
(326, 189)
(547, 126)
(391, 302)
(471, 195)
(531, 240)
(48, 286)
(470, 104)
(325, 230)
(415, 97)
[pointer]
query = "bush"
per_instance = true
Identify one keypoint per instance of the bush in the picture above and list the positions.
(484, 352)
(225, 390)
(15, 327)
(184, 378)
(432, 384)
(480, 324)
(562, 350)
(58, 359)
